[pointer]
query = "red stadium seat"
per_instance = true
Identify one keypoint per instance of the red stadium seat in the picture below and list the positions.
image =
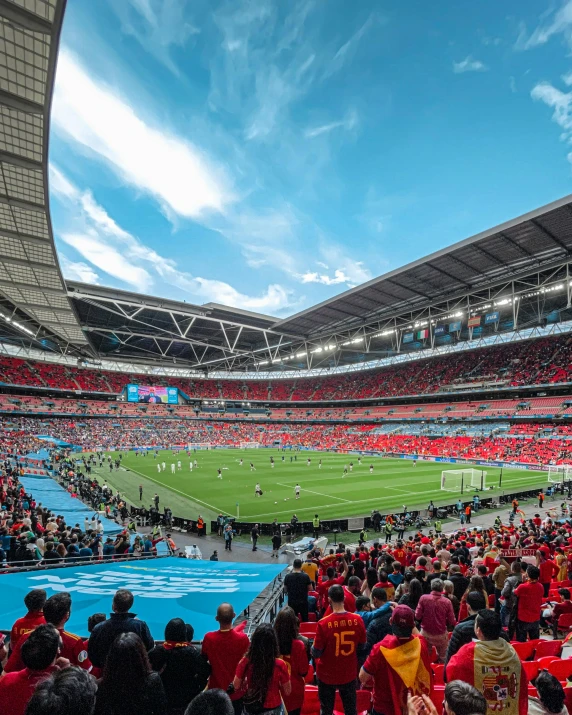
(438, 671)
(565, 622)
(308, 629)
(554, 596)
(545, 648)
(530, 667)
(311, 704)
(525, 650)
(438, 697)
(545, 662)
(561, 669)
(532, 692)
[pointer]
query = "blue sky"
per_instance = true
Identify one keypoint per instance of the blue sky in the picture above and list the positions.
(270, 154)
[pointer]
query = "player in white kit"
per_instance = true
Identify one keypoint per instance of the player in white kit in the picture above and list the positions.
(179, 465)
(297, 491)
(163, 466)
(172, 467)
(159, 468)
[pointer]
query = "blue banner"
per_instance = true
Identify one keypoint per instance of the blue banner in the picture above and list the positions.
(407, 337)
(492, 317)
(164, 588)
(455, 327)
(132, 393)
(440, 330)
(172, 395)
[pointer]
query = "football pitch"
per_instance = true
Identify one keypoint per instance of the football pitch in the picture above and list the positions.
(325, 491)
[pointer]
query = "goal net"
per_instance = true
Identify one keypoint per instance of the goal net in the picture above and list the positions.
(558, 473)
(199, 445)
(457, 480)
(249, 445)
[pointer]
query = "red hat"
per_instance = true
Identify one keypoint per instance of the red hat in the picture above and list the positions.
(402, 621)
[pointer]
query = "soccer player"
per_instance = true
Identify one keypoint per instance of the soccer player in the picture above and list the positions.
(219, 475)
(257, 490)
(339, 636)
(297, 491)
(191, 465)
(371, 468)
(196, 464)
(345, 470)
(240, 463)
(320, 464)
(272, 462)
(308, 462)
(159, 468)
(351, 466)
(179, 465)
(172, 467)
(359, 461)
(163, 466)
(252, 467)
(415, 461)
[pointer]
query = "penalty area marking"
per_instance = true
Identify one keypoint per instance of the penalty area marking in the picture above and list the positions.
(191, 498)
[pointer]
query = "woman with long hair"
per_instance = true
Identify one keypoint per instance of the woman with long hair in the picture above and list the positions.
(476, 583)
(262, 675)
(129, 686)
(369, 582)
(411, 598)
(293, 651)
(403, 587)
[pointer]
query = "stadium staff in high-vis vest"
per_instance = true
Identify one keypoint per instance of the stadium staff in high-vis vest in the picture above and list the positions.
(316, 525)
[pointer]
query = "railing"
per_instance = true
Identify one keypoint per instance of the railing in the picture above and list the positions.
(13, 567)
(270, 609)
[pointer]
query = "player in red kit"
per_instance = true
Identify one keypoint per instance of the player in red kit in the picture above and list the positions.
(338, 639)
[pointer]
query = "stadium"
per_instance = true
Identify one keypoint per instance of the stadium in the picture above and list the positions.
(431, 404)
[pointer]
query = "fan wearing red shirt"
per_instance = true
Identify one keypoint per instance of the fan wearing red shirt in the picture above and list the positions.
(335, 650)
(39, 654)
(331, 580)
(351, 592)
(399, 554)
(530, 597)
(224, 650)
(548, 570)
(293, 652)
(34, 602)
(56, 612)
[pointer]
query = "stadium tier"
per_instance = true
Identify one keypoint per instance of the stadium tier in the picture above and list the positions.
(545, 361)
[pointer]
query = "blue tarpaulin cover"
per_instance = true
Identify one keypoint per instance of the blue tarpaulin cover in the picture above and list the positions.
(164, 588)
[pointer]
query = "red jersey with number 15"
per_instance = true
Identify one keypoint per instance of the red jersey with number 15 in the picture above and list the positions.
(337, 639)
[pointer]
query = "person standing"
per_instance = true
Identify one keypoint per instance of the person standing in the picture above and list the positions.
(293, 652)
(468, 513)
(388, 530)
(224, 650)
(530, 596)
(276, 544)
(339, 637)
(540, 499)
(492, 666)
(296, 585)
(120, 621)
(254, 534)
(228, 537)
(435, 614)
(399, 664)
(140, 492)
(464, 631)
(316, 526)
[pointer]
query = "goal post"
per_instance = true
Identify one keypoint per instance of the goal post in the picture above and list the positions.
(198, 445)
(458, 480)
(558, 473)
(249, 445)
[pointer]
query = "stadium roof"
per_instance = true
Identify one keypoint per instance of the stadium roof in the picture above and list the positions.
(523, 264)
(512, 250)
(33, 300)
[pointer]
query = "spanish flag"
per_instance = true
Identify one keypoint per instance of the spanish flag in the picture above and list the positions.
(409, 668)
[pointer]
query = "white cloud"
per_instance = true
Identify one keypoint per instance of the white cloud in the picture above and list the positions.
(315, 277)
(78, 271)
(107, 258)
(561, 103)
(174, 171)
(567, 78)
(111, 249)
(157, 25)
(349, 123)
(469, 65)
(346, 52)
(560, 23)
(512, 84)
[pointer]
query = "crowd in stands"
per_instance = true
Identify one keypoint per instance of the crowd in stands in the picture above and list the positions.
(453, 622)
(125, 434)
(540, 361)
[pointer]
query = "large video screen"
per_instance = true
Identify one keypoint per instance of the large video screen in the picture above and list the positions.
(151, 395)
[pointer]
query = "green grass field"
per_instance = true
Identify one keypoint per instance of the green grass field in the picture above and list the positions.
(394, 482)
